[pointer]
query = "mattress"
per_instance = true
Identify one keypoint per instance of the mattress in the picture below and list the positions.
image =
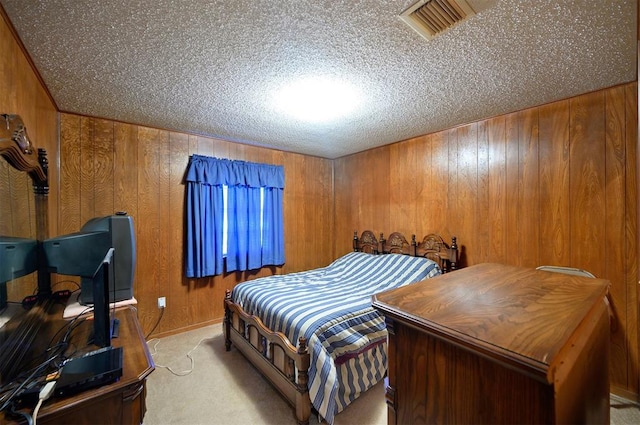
(331, 308)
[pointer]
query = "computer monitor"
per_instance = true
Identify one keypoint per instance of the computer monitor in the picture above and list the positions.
(103, 324)
(18, 257)
(90, 256)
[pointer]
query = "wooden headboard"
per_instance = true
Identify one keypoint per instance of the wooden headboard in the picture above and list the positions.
(432, 246)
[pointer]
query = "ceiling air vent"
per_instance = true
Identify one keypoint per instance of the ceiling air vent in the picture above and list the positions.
(431, 17)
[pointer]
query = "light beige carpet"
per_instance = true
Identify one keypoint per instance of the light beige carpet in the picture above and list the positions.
(223, 388)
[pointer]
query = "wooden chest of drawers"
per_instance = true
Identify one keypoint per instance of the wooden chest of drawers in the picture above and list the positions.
(498, 344)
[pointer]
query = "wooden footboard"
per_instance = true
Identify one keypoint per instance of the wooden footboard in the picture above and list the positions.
(272, 354)
(286, 367)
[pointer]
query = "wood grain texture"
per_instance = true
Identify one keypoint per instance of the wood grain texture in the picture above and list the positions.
(516, 309)
(496, 241)
(498, 344)
(630, 310)
(557, 186)
(587, 182)
(528, 188)
(574, 142)
(553, 122)
(140, 170)
(614, 223)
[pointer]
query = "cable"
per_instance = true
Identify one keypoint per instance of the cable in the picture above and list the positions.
(15, 387)
(34, 373)
(157, 323)
(193, 362)
(45, 393)
(27, 417)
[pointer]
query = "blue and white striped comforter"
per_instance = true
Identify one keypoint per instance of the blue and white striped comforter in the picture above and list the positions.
(331, 308)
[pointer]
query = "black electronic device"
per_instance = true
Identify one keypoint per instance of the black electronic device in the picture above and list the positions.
(94, 369)
(90, 256)
(121, 236)
(18, 257)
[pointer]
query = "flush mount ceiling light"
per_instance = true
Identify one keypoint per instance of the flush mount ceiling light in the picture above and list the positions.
(317, 99)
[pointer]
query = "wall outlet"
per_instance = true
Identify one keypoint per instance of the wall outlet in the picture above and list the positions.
(162, 302)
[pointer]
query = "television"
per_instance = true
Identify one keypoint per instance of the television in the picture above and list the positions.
(18, 257)
(121, 237)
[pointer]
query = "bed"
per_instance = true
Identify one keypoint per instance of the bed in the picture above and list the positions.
(341, 339)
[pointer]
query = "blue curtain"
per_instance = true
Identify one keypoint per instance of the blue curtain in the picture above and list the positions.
(249, 246)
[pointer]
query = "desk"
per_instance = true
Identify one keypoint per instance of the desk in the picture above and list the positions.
(498, 344)
(122, 402)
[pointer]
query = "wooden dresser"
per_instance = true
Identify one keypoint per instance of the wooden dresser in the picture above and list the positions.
(498, 344)
(122, 402)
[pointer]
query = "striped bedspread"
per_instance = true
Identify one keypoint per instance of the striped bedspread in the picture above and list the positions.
(331, 307)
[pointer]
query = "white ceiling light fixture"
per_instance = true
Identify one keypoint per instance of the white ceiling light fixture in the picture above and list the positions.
(318, 99)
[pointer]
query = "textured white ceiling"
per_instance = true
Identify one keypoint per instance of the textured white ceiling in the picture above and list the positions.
(211, 67)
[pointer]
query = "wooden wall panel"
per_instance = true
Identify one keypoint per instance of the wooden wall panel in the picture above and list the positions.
(103, 155)
(528, 223)
(555, 185)
(465, 152)
(450, 138)
(432, 211)
(614, 218)
(587, 182)
(150, 226)
(125, 175)
(108, 166)
(86, 167)
(402, 205)
(482, 191)
(496, 190)
(177, 286)
(70, 164)
(630, 241)
(553, 121)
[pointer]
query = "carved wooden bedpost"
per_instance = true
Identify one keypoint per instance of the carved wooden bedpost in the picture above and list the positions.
(303, 402)
(414, 246)
(227, 321)
(355, 241)
(453, 253)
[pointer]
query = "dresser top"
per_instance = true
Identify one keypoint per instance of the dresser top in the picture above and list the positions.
(524, 314)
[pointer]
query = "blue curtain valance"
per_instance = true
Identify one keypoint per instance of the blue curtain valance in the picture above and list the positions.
(255, 235)
(216, 171)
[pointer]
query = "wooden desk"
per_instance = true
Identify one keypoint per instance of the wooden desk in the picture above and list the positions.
(498, 344)
(122, 402)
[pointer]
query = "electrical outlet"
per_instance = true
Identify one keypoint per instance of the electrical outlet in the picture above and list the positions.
(162, 302)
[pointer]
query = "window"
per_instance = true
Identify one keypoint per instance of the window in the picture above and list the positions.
(225, 218)
(234, 213)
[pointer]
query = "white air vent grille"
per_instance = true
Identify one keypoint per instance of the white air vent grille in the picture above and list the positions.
(431, 17)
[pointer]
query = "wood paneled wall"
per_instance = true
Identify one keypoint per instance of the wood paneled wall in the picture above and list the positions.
(107, 166)
(554, 185)
(22, 93)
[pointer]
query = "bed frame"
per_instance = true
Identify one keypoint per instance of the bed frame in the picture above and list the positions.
(286, 366)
